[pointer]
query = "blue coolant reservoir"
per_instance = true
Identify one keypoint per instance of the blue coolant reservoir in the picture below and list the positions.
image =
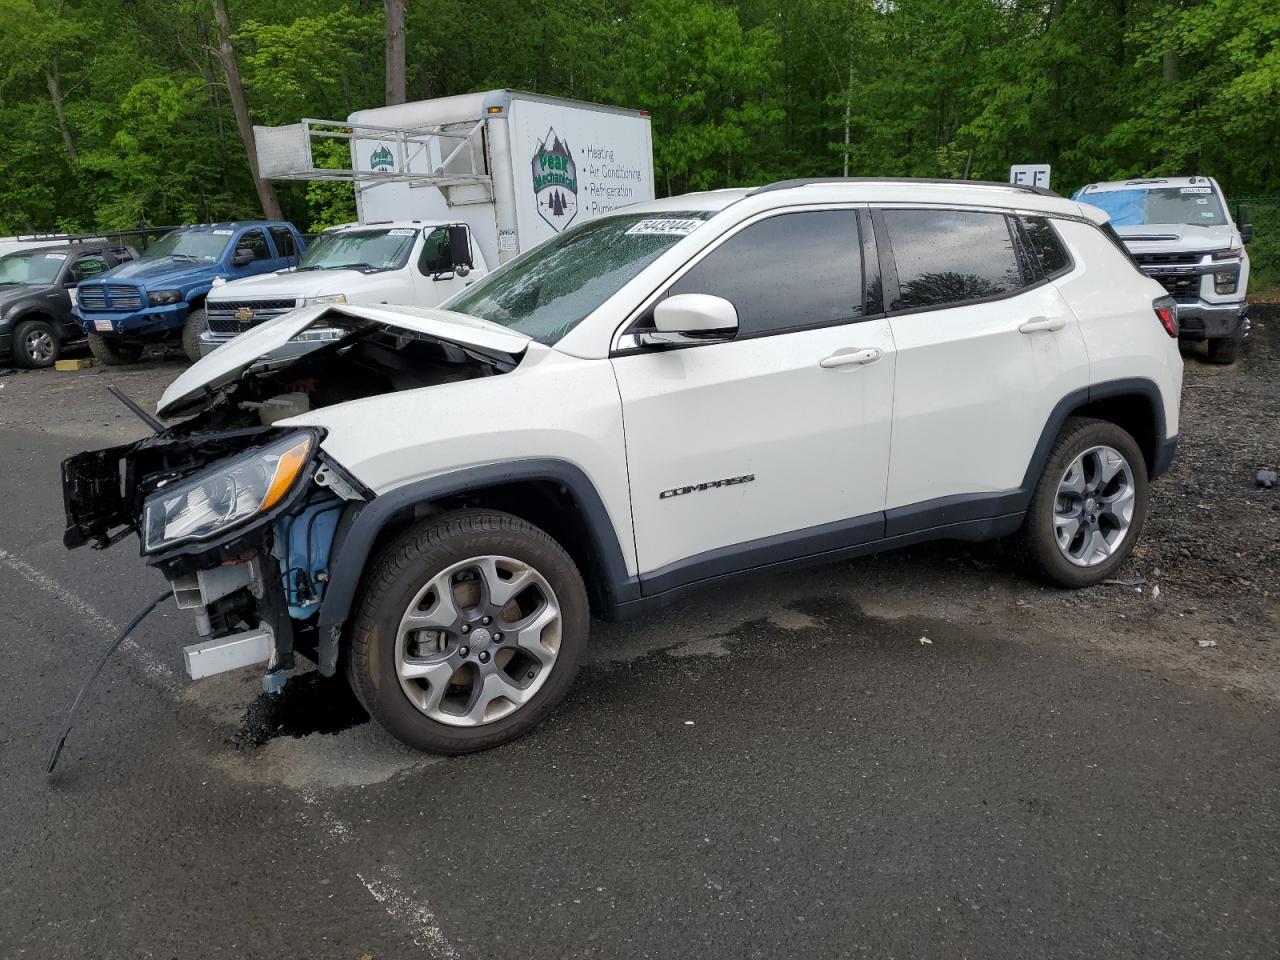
(303, 541)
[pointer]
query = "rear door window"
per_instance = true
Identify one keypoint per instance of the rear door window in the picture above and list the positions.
(789, 272)
(946, 257)
(285, 245)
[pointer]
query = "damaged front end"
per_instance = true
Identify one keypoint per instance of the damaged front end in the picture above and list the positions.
(240, 510)
(239, 521)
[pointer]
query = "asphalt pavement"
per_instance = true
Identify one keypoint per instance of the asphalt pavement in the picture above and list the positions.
(767, 770)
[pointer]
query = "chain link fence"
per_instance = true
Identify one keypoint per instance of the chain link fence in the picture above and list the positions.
(1264, 251)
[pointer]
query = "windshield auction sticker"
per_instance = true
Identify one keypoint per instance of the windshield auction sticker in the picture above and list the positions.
(1196, 190)
(678, 228)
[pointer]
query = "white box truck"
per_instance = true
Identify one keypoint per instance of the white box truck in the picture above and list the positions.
(445, 189)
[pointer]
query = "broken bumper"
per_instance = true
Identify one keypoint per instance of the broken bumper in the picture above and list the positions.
(254, 589)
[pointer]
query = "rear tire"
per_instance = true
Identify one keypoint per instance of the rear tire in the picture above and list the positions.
(484, 659)
(113, 351)
(1088, 506)
(35, 344)
(1224, 350)
(196, 323)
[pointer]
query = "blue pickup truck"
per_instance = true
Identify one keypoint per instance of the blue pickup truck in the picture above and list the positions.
(160, 295)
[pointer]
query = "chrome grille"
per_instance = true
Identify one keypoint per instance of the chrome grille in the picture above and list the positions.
(92, 297)
(222, 316)
(113, 296)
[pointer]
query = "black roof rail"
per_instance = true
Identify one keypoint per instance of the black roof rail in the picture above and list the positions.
(90, 235)
(806, 181)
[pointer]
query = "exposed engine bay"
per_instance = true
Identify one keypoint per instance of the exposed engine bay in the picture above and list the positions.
(239, 512)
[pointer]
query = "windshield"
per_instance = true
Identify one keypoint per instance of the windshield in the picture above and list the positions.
(550, 289)
(203, 245)
(31, 267)
(1200, 206)
(360, 250)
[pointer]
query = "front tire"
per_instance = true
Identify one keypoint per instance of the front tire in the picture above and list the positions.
(35, 344)
(113, 351)
(470, 630)
(1088, 507)
(196, 323)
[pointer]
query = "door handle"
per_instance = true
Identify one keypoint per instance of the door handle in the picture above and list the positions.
(859, 355)
(1036, 324)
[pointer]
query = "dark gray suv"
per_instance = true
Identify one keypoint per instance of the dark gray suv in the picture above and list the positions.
(36, 296)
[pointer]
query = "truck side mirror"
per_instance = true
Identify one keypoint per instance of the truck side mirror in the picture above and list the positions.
(242, 257)
(1243, 224)
(460, 248)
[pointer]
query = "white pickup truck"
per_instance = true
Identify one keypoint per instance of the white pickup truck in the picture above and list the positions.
(408, 261)
(1180, 232)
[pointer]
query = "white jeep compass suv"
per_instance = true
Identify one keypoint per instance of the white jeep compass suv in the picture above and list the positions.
(685, 390)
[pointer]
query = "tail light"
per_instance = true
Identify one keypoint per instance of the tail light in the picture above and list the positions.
(1166, 309)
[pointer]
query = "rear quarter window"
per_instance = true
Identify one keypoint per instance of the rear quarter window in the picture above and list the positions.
(1046, 246)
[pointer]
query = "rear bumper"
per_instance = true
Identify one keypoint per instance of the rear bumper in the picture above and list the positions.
(150, 321)
(1202, 321)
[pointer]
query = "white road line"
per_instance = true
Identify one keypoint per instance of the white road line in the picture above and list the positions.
(42, 581)
(418, 916)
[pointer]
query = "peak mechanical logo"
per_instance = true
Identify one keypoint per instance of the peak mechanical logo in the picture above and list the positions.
(381, 158)
(555, 182)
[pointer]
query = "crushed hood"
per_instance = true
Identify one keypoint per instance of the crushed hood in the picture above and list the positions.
(198, 385)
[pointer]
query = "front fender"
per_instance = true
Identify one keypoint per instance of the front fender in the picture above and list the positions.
(363, 522)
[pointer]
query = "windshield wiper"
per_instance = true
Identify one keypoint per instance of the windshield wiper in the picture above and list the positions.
(362, 267)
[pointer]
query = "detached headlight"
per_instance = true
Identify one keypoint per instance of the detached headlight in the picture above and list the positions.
(232, 492)
(331, 298)
(161, 297)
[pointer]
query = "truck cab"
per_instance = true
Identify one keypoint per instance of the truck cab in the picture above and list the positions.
(409, 262)
(161, 294)
(1180, 232)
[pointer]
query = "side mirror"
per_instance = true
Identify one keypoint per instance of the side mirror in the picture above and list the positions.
(692, 318)
(242, 257)
(1243, 224)
(460, 249)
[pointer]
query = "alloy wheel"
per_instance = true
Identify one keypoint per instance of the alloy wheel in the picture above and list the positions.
(39, 345)
(1093, 508)
(478, 641)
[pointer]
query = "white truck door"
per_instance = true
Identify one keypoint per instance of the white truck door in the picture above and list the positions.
(775, 442)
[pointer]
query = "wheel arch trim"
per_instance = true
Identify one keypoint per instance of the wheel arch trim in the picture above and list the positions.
(1140, 387)
(359, 531)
